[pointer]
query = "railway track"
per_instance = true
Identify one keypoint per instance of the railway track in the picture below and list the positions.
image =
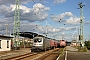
(19, 57)
(48, 55)
(52, 55)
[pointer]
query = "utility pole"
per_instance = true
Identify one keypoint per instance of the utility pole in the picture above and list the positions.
(6, 29)
(81, 36)
(16, 42)
(46, 28)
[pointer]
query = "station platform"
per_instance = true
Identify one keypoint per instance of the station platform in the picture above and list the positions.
(72, 53)
(69, 48)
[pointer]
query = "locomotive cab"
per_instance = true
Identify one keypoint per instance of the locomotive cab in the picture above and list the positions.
(37, 44)
(40, 44)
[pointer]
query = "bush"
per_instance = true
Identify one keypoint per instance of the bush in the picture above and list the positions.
(87, 44)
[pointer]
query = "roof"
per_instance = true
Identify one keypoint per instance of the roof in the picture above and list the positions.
(41, 36)
(28, 34)
(2, 36)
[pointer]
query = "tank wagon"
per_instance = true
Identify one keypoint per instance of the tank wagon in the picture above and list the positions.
(62, 43)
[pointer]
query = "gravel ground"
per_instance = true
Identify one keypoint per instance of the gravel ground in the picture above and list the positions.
(6, 54)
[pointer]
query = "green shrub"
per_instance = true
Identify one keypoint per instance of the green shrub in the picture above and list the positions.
(87, 44)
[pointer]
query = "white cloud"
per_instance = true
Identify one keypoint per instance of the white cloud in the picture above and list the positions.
(53, 30)
(67, 14)
(37, 13)
(61, 16)
(23, 8)
(87, 22)
(39, 7)
(26, 14)
(4, 9)
(59, 1)
(5, 21)
(73, 20)
(66, 18)
(70, 28)
(5, 2)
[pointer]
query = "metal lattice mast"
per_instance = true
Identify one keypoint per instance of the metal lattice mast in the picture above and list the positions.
(81, 36)
(16, 25)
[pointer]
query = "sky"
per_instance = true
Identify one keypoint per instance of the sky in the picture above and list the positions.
(59, 19)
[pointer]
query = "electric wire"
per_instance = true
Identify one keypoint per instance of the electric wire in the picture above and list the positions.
(41, 12)
(40, 9)
(88, 13)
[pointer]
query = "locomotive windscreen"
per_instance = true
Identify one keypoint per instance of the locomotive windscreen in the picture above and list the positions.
(37, 39)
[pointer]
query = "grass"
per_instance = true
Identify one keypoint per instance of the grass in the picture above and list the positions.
(82, 49)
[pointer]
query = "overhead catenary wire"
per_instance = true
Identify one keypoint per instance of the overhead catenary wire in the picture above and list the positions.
(88, 13)
(40, 9)
(42, 12)
(36, 5)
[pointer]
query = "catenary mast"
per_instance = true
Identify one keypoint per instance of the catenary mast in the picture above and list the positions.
(81, 36)
(16, 42)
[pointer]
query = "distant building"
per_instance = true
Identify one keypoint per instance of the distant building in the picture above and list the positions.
(75, 43)
(5, 43)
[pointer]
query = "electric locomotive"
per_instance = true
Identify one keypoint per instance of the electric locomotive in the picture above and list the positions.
(40, 43)
(62, 43)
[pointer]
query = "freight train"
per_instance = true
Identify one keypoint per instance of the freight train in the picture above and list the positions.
(41, 43)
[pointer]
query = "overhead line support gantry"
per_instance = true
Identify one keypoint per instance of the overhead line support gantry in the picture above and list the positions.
(16, 40)
(81, 36)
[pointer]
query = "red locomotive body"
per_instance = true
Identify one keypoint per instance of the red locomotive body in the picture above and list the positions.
(52, 43)
(55, 43)
(62, 43)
